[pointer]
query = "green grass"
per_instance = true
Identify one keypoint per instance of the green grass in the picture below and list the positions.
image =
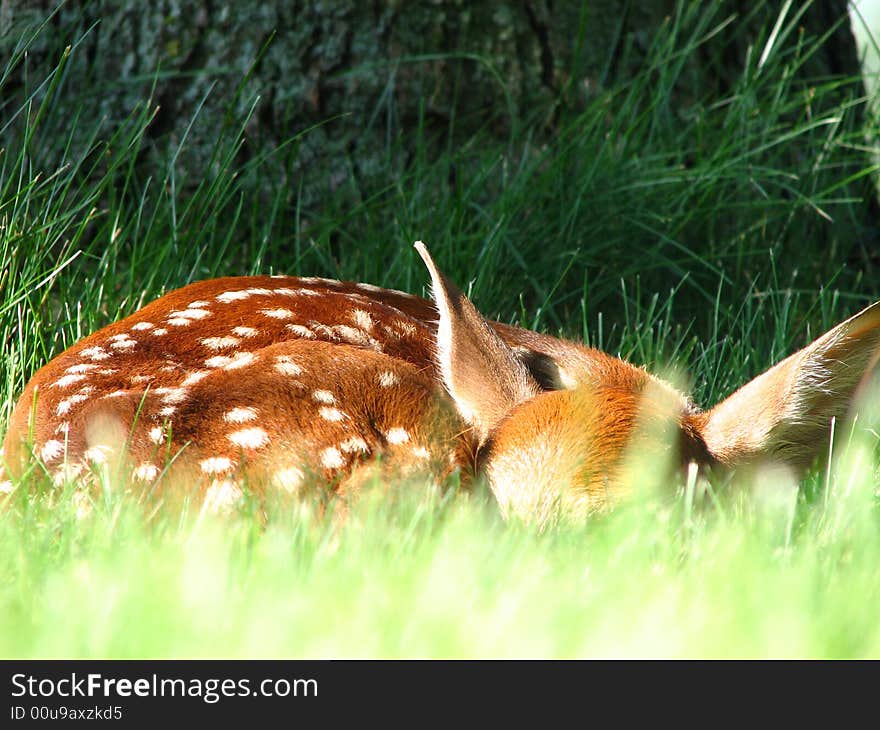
(709, 238)
(764, 573)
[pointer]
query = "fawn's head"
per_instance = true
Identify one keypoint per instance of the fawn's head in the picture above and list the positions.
(557, 434)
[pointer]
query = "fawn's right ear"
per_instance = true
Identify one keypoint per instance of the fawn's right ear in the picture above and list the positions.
(785, 414)
(481, 373)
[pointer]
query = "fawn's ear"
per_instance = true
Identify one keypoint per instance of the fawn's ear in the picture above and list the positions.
(480, 372)
(785, 414)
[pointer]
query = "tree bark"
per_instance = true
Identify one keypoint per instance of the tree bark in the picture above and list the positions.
(368, 73)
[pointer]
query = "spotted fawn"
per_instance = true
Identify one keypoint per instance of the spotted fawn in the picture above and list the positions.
(279, 382)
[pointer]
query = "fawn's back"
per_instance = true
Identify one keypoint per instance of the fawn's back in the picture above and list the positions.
(276, 378)
(282, 381)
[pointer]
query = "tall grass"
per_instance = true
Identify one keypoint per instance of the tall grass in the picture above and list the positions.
(708, 235)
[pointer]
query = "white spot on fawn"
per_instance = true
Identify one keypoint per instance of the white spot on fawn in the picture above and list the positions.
(420, 452)
(195, 377)
(215, 464)
(245, 331)
(277, 313)
(126, 344)
(65, 405)
(388, 379)
(285, 366)
(355, 336)
(156, 435)
(331, 458)
(219, 343)
(232, 296)
(198, 304)
(301, 331)
(167, 411)
(354, 445)
(324, 396)
(242, 414)
(178, 322)
(332, 414)
(82, 368)
(352, 335)
(94, 353)
(146, 472)
(260, 292)
(249, 438)
(173, 395)
(51, 450)
(67, 380)
(322, 329)
(159, 331)
(238, 360)
(115, 394)
(397, 435)
(140, 326)
(189, 314)
(63, 427)
(362, 319)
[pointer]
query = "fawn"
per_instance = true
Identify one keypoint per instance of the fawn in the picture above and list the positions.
(278, 380)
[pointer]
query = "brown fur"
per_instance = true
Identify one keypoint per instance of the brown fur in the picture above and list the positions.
(275, 380)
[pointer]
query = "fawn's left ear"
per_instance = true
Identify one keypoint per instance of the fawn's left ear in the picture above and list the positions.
(785, 414)
(481, 373)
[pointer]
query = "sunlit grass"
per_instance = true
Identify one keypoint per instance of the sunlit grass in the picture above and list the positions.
(754, 572)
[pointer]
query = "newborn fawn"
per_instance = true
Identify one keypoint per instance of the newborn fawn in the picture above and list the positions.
(278, 381)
